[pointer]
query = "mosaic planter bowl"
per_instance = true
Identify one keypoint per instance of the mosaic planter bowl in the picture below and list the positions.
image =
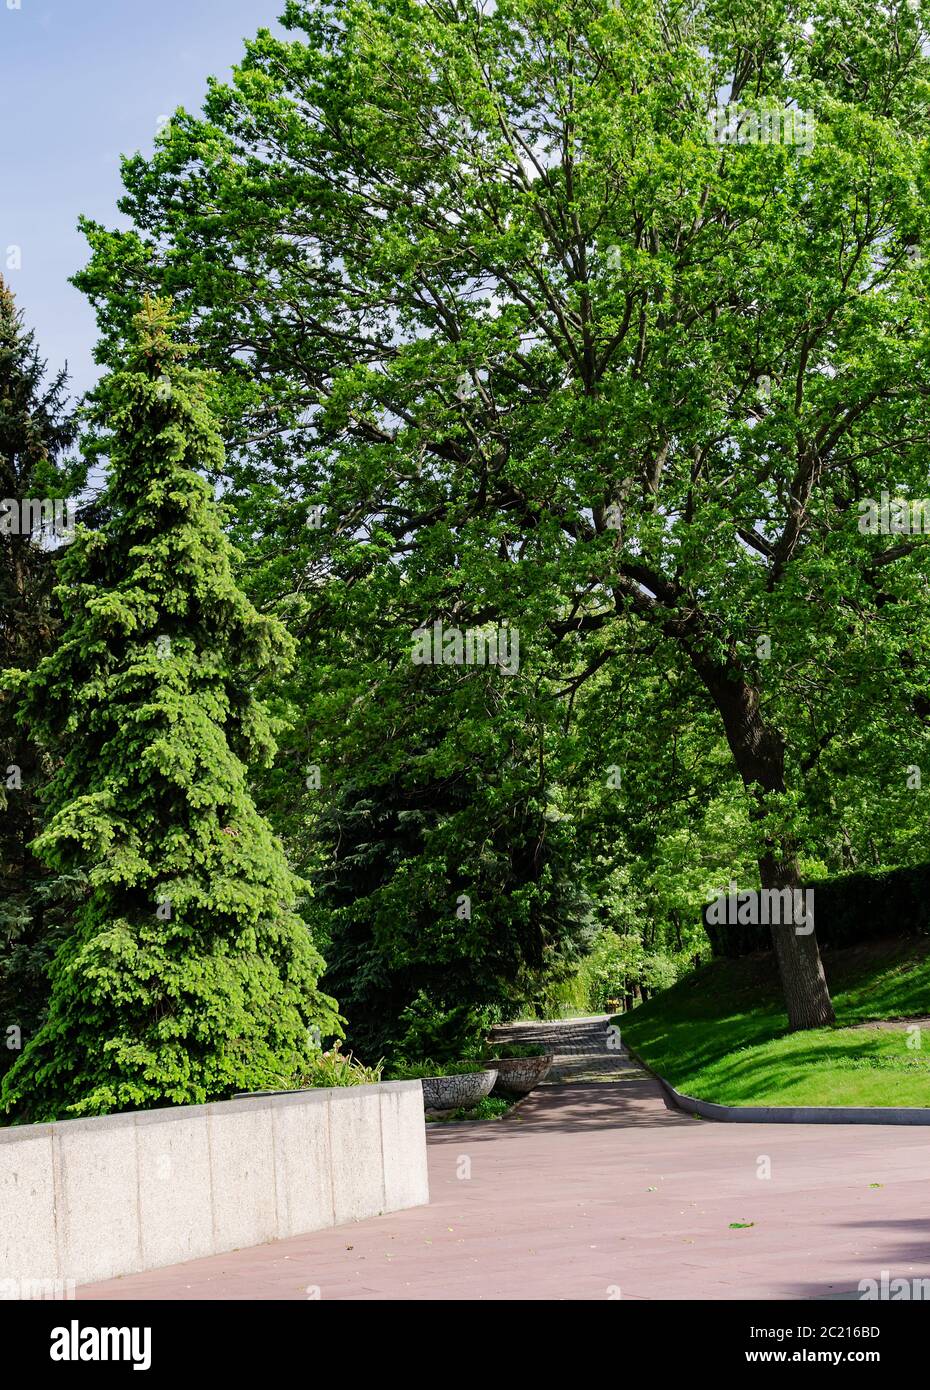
(517, 1076)
(453, 1092)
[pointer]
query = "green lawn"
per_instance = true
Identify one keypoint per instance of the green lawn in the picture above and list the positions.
(722, 1034)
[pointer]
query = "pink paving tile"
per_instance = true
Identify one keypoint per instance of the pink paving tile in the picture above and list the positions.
(559, 1206)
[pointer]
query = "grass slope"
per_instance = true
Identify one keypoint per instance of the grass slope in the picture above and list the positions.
(722, 1033)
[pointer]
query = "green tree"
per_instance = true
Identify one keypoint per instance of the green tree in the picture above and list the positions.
(36, 433)
(187, 973)
(456, 900)
(503, 307)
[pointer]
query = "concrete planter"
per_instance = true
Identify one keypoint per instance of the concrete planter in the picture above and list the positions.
(517, 1076)
(455, 1092)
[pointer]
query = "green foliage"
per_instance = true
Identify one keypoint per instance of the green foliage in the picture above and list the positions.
(513, 1050)
(848, 911)
(33, 927)
(440, 923)
(563, 998)
(401, 1070)
(505, 313)
(336, 1068)
(620, 965)
(613, 969)
(186, 974)
(442, 1030)
(488, 1108)
(722, 1035)
(36, 431)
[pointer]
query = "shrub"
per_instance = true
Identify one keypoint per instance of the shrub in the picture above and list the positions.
(848, 910)
(401, 1070)
(446, 1034)
(337, 1068)
(510, 1051)
(489, 1108)
(448, 902)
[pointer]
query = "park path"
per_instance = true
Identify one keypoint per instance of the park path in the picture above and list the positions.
(592, 1189)
(584, 1049)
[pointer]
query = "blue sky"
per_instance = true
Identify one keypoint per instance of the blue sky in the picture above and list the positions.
(82, 82)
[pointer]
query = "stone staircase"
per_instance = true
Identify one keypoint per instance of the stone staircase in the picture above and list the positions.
(585, 1049)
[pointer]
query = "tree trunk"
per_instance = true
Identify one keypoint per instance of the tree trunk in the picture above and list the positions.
(803, 981)
(759, 753)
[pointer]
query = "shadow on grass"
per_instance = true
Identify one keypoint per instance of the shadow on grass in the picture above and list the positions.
(711, 1021)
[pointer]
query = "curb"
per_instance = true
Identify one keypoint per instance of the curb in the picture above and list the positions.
(785, 1114)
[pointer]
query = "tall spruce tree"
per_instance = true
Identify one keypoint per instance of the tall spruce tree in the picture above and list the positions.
(187, 974)
(36, 432)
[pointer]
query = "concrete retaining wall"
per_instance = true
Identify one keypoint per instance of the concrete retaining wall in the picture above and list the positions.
(83, 1200)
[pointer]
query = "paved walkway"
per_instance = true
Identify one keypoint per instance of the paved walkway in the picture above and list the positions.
(592, 1189)
(585, 1049)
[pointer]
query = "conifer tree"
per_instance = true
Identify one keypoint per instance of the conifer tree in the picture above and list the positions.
(36, 432)
(187, 974)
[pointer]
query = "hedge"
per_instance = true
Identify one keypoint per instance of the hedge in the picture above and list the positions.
(847, 910)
